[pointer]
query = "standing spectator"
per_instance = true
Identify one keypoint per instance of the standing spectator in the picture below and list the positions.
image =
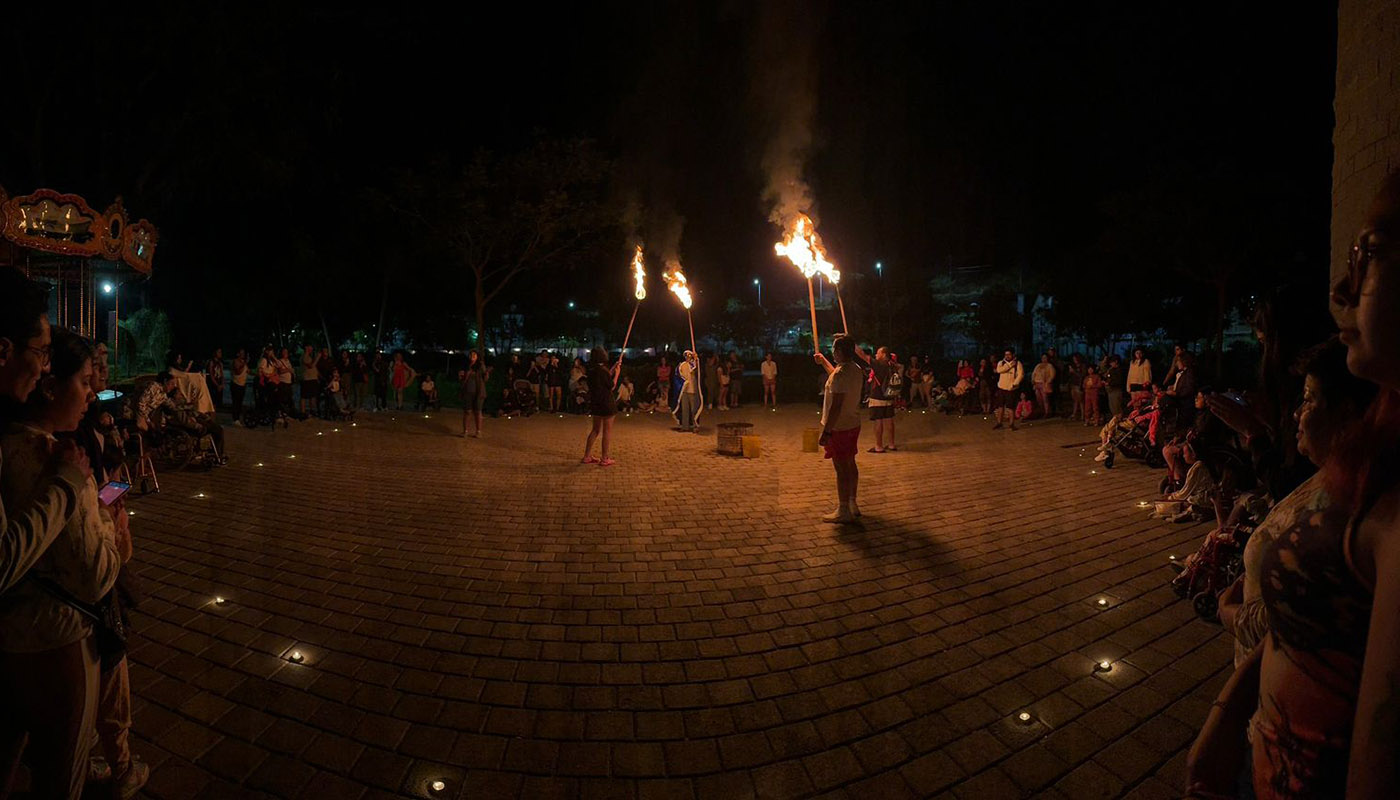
(346, 368)
(689, 371)
(49, 660)
(602, 406)
(1177, 351)
(324, 365)
(736, 379)
(883, 394)
(1056, 386)
(1139, 372)
(769, 369)
(722, 372)
(359, 381)
(1114, 380)
(712, 393)
(380, 370)
(310, 381)
(283, 365)
(986, 382)
(554, 377)
(473, 386)
(1077, 374)
(25, 353)
(214, 377)
(914, 381)
(1043, 379)
(535, 374)
(238, 386)
(1010, 374)
(663, 382)
(1093, 384)
(402, 376)
(965, 370)
(840, 423)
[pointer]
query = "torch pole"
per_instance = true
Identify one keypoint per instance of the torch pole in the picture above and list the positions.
(812, 304)
(625, 338)
(695, 371)
(840, 304)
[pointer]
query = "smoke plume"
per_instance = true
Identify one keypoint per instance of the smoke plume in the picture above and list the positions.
(783, 50)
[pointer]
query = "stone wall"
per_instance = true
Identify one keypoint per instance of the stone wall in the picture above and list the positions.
(1366, 140)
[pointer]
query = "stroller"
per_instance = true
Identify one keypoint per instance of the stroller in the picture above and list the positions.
(334, 407)
(1219, 561)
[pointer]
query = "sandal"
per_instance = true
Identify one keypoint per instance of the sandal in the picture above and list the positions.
(873, 450)
(607, 462)
(892, 449)
(589, 460)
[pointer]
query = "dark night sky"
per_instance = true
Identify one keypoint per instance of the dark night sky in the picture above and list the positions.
(944, 133)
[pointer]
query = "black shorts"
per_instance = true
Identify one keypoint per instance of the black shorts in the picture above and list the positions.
(881, 412)
(1006, 398)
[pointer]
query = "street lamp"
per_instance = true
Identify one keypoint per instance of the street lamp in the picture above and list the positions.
(107, 287)
(760, 292)
(879, 270)
(571, 305)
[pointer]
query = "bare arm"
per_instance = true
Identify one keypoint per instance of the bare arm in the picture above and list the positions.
(824, 363)
(1374, 771)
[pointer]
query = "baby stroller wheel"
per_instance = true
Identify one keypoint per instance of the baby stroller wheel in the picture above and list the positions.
(1206, 606)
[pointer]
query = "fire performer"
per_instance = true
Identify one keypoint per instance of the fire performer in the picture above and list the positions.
(841, 425)
(602, 408)
(676, 282)
(690, 392)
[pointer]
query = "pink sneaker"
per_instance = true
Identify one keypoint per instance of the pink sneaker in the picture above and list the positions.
(589, 460)
(607, 462)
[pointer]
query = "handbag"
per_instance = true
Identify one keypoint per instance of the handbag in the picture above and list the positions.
(108, 616)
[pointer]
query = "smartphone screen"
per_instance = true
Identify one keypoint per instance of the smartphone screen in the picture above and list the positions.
(110, 492)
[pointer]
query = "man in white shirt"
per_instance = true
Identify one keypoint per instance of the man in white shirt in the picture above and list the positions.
(841, 425)
(690, 391)
(1010, 374)
(769, 369)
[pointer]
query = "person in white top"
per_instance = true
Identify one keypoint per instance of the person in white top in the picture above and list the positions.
(769, 369)
(1139, 372)
(1043, 379)
(689, 371)
(1010, 374)
(841, 425)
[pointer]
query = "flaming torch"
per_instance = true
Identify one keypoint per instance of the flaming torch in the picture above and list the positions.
(803, 247)
(675, 281)
(639, 274)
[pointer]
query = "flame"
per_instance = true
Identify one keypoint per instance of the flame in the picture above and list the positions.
(675, 281)
(803, 247)
(639, 274)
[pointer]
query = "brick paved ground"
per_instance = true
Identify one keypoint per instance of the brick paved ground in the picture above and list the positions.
(494, 615)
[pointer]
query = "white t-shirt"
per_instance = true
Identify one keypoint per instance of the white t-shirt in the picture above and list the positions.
(846, 380)
(769, 370)
(687, 374)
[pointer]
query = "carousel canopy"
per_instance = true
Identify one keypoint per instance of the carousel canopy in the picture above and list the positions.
(64, 224)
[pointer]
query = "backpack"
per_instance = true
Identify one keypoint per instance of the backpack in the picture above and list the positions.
(894, 385)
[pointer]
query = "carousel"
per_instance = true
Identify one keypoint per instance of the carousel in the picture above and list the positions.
(86, 257)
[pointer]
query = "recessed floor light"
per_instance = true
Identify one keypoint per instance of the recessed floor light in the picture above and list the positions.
(1103, 666)
(296, 657)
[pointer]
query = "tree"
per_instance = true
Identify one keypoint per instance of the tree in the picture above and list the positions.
(503, 216)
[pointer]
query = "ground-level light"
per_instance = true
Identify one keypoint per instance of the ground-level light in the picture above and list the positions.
(1102, 601)
(1024, 717)
(1103, 666)
(296, 657)
(218, 601)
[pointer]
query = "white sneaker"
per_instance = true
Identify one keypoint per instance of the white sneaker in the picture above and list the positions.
(839, 516)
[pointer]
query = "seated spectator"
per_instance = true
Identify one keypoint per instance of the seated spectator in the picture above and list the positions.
(49, 658)
(626, 395)
(1023, 408)
(335, 398)
(160, 404)
(428, 393)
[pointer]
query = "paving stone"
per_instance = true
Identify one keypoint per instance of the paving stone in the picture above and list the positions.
(504, 611)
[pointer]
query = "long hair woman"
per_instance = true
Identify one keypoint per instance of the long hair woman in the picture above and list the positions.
(49, 664)
(602, 407)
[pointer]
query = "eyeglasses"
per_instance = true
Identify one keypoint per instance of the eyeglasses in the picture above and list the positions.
(1368, 246)
(45, 353)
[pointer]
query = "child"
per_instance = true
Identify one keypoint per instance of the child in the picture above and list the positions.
(427, 393)
(1092, 384)
(1023, 408)
(333, 389)
(625, 392)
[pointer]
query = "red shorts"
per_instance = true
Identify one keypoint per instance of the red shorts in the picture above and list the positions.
(843, 444)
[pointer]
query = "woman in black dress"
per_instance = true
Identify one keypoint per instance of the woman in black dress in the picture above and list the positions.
(601, 405)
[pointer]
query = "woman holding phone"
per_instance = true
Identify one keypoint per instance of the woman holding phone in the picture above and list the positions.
(49, 661)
